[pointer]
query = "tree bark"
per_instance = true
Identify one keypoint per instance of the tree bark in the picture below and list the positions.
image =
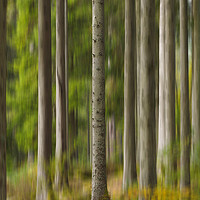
(129, 173)
(196, 90)
(138, 39)
(60, 95)
(99, 180)
(185, 114)
(3, 6)
(44, 98)
(147, 98)
(66, 79)
(170, 88)
(161, 132)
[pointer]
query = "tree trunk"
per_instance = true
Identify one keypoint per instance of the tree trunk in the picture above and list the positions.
(161, 132)
(99, 180)
(129, 174)
(185, 114)
(66, 81)
(60, 95)
(147, 98)
(170, 88)
(44, 98)
(138, 41)
(3, 6)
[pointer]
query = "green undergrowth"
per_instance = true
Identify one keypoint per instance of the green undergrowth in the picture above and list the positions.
(21, 185)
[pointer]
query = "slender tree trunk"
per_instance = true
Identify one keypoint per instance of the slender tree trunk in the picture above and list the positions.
(161, 132)
(196, 95)
(147, 98)
(170, 88)
(60, 95)
(44, 98)
(185, 114)
(3, 6)
(99, 180)
(138, 39)
(129, 174)
(66, 80)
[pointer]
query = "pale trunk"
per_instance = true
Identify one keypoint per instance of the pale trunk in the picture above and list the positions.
(147, 98)
(44, 98)
(60, 95)
(99, 180)
(161, 131)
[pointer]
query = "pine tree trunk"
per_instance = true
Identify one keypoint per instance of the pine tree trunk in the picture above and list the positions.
(44, 98)
(196, 95)
(60, 95)
(3, 6)
(99, 180)
(170, 89)
(129, 174)
(161, 132)
(185, 114)
(147, 98)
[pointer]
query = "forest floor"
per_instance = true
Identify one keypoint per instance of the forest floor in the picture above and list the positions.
(22, 186)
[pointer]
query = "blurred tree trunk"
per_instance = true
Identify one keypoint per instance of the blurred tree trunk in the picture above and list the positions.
(129, 174)
(138, 41)
(170, 89)
(185, 113)
(3, 6)
(66, 85)
(196, 84)
(44, 98)
(99, 180)
(60, 96)
(161, 132)
(147, 98)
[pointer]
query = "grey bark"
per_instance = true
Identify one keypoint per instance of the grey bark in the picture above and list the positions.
(44, 98)
(196, 90)
(99, 180)
(138, 39)
(60, 95)
(185, 113)
(161, 131)
(3, 5)
(170, 88)
(147, 98)
(129, 173)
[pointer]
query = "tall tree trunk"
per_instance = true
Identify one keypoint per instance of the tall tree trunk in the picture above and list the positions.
(60, 94)
(66, 80)
(99, 180)
(196, 90)
(138, 41)
(3, 6)
(170, 88)
(147, 98)
(185, 113)
(44, 98)
(129, 174)
(161, 132)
